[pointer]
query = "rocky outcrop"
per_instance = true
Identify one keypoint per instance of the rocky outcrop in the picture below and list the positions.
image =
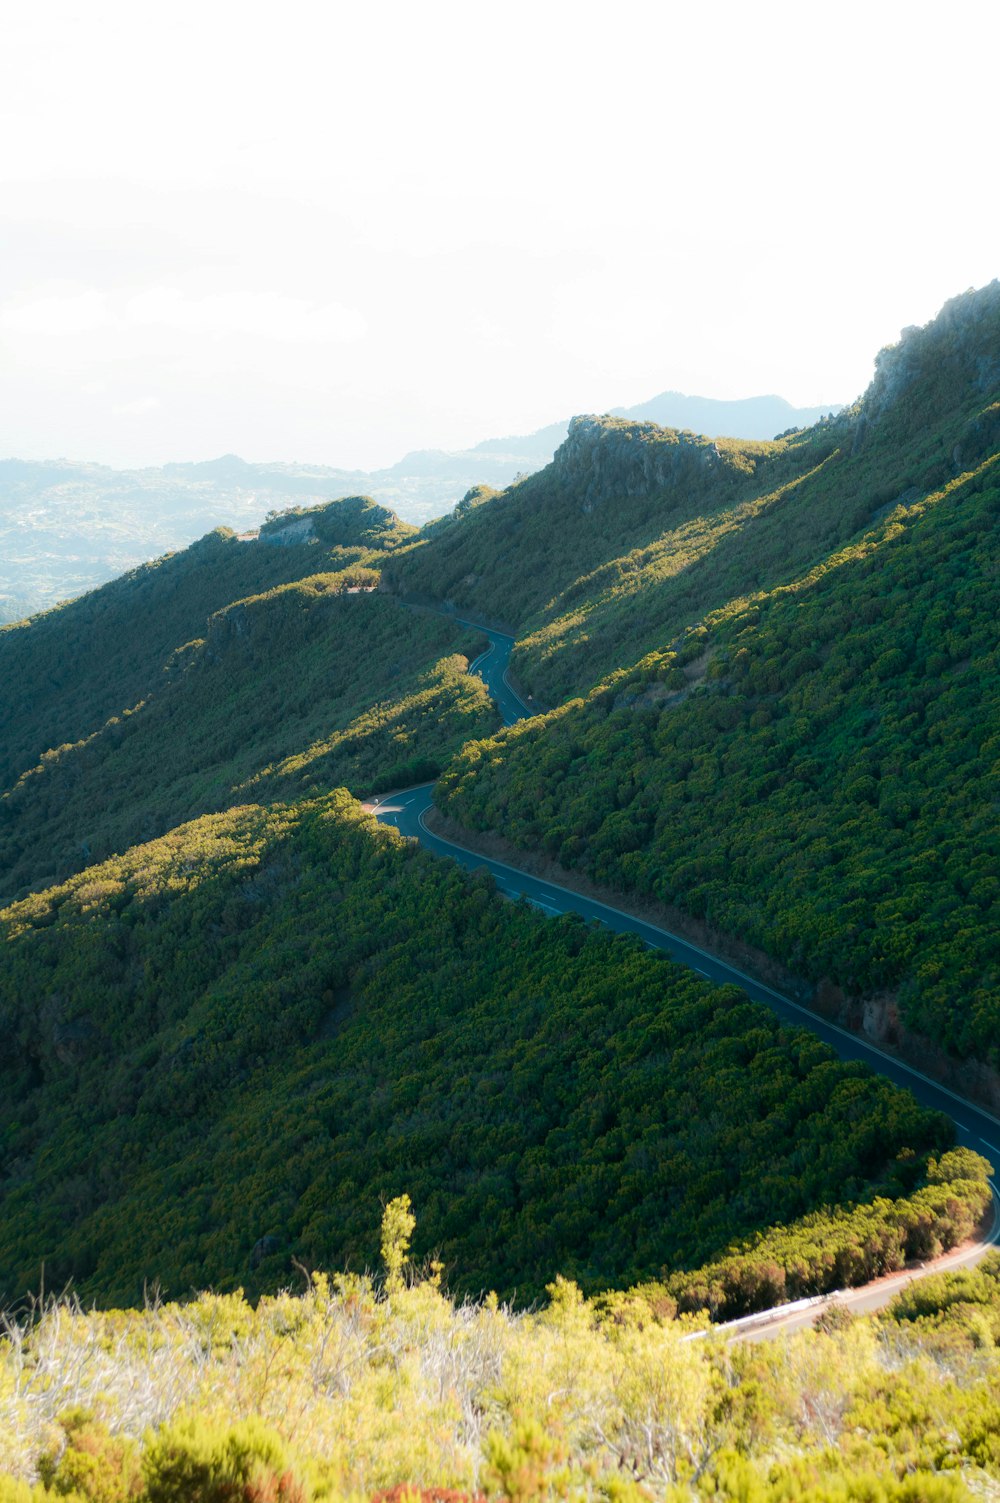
(74, 1040)
(604, 458)
(961, 347)
(301, 530)
(264, 1247)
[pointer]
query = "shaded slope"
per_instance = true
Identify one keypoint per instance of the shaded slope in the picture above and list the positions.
(813, 769)
(64, 673)
(306, 686)
(268, 1019)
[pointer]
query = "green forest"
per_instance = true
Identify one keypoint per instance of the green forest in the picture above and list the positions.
(253, 1028)
(813, 768)
(242, 1024)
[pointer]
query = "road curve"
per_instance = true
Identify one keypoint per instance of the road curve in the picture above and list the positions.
(492, 666)
(975, 1128)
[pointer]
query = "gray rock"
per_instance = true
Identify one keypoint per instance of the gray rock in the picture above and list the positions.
(264, 1247)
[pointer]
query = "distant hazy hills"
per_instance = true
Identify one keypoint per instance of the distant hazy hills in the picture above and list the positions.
(66, 526)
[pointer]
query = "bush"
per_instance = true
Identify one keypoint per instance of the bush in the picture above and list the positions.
(194, 1461)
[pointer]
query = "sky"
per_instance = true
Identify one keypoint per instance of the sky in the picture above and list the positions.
(333, 232)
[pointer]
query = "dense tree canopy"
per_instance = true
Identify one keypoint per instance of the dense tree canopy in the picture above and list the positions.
(308, 685)
(813, 768)
(261, 1023)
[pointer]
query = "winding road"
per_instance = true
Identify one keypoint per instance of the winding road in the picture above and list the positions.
(974, 1127)
(493, 668)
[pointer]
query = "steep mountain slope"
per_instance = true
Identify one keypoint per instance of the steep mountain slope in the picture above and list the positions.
(813, 767)
(305, 686)
(66, 527)
(260, 1024)
(64, 673)
(634, 533)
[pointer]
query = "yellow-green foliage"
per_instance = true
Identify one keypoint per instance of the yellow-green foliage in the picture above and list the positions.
(196, 1461)
(251, 1030)
(87, 1461)
(348, 1391)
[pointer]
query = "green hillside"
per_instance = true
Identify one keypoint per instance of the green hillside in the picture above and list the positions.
(257, 1026)
(234, 1015)
(812, 766)
(64, 673)
(813, 769)
(313, 681)
(303, 687)
(635, 532)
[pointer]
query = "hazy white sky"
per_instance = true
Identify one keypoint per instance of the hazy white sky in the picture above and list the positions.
(334, 232)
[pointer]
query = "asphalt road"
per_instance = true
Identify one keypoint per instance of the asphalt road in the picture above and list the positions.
(492, 666)
(974, 1127)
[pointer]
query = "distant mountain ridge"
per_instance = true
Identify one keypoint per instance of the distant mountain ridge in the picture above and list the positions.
(67, 526)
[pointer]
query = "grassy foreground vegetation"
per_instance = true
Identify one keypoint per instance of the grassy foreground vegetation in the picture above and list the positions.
(358, 1389)
(222, 1047)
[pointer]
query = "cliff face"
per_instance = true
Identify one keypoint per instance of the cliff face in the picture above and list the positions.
(349, 522)
(604, 457)
(955, 356)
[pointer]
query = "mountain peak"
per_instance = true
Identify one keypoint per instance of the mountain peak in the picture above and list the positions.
(955, 355)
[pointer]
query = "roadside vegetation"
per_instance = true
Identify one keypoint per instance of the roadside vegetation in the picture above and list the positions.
(812, 769)
(386, 1389)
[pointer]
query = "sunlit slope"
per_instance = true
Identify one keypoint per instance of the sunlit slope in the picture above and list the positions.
(549, 547)
(636, 532)
(262, 1023)
(813, 769)
(64, 673)
(309, 686)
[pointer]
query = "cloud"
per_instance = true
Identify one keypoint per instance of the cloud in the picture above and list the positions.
(258, 315)
(137, 407)
(57, 314)
(263, 315)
